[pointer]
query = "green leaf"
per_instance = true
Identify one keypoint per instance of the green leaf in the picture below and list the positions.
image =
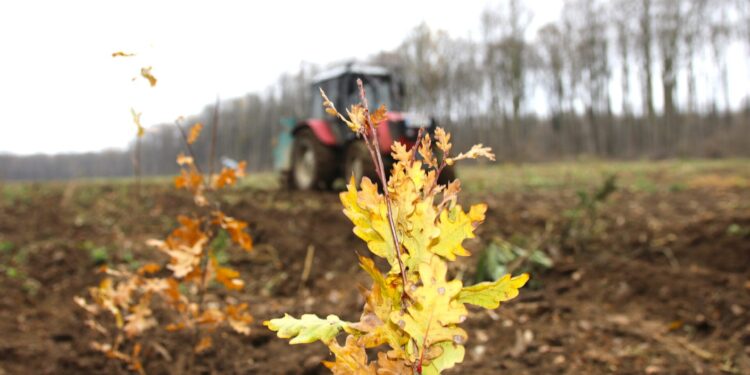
(450, 355)
(490, 294)
(307, 329)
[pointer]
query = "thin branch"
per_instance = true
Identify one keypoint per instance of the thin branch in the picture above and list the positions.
(187, 145)
(214, 127)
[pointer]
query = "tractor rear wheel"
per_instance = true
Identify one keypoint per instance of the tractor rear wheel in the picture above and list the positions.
(359, 163)
(313, 163)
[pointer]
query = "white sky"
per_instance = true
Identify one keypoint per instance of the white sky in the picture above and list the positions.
(61, 91)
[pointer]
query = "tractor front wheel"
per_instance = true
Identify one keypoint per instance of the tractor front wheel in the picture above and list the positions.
(359, 163)
(312, 162)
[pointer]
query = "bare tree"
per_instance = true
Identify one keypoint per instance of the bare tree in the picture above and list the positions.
(506, 57)
(591, 61)
(645, 39)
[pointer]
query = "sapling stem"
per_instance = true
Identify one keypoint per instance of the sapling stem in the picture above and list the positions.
(374, 147)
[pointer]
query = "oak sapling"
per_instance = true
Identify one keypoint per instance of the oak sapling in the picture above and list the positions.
(126, 304)
(412, 311)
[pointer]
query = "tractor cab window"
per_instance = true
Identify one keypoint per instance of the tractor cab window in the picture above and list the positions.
(317, 110)
(377, 90)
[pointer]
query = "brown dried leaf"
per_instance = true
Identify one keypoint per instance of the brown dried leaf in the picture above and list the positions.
(122, 54)
(351, 359)
(475, 152)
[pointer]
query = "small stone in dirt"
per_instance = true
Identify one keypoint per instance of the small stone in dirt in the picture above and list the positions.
(585, 325)
(481, 336)
(737, 310)
(313, 362)
(559, 359)
(653, 369)
(576, 276)
(478, 352)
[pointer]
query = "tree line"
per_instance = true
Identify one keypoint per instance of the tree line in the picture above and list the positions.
(613, 79)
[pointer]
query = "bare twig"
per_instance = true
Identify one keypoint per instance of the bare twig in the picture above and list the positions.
(415, 148)
(187, 145)
(137, 166)
(308, 265)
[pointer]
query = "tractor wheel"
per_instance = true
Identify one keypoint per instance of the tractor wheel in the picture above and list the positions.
(313, 164)
(359, 163)
(447, 175)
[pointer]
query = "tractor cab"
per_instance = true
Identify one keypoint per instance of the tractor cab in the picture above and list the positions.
(322, 147)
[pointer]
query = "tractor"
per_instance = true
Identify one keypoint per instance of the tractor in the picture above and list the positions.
(314, 152)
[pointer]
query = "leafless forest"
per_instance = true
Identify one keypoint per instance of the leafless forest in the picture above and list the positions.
(617, 79)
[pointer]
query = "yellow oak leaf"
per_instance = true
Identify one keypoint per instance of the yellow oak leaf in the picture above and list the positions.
(425, 150)
(137, 121)
(356, 118)
(367, 211)
(435, 315)
(490, 294)
(455, 227)
(443, 141)
(399, 152)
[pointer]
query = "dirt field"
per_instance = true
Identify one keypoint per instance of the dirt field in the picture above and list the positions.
(663, 286)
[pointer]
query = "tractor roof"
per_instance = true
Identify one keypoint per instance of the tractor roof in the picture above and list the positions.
(370, 70)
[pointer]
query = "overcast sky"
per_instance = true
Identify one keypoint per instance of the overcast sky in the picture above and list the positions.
(61, 91)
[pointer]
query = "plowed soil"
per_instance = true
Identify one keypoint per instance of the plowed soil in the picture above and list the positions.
(662, 286)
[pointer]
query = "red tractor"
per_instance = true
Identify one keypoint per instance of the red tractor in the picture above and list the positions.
(320, 149)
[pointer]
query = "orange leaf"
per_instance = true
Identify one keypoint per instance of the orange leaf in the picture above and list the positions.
(236, 230)
(183, 159)
(205, 344)
(239, 318)
(146, 73)
(149, 268)
(195, 132)
(379, 115)
(227, 177)
(227, 276)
